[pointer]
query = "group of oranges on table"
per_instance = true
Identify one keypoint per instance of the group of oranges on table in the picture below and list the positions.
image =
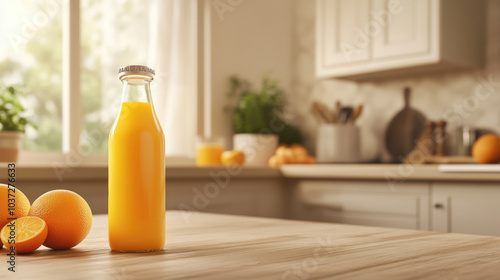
(58, 219)
(293, 154)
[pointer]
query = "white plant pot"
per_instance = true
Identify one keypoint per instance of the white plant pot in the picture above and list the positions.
(258, 148)
(10, 145)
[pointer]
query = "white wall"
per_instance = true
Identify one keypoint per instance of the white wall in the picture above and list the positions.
(250, 39)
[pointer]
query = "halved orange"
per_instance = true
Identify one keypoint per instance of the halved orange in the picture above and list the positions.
(28, 232)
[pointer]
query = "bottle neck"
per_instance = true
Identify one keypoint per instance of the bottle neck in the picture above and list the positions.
(136, 90)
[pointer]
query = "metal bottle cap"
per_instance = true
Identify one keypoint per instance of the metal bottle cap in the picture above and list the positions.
(135, 70)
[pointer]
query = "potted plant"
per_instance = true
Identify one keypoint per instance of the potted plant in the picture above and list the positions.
(12, 124)
(258, 120)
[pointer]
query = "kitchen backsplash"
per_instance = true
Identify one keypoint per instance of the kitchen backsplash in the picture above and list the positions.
(453, 96)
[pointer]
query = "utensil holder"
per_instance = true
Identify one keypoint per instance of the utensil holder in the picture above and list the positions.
(338, 144)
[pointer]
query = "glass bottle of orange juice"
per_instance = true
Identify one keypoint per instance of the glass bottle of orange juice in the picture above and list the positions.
(136, 205)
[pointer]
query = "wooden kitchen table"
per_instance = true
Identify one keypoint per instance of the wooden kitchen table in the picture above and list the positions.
(209, 246)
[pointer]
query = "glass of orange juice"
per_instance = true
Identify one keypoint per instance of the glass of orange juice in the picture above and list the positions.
(136, 188)
(209, 151)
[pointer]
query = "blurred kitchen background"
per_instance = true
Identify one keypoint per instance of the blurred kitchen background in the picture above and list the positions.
(63, 57)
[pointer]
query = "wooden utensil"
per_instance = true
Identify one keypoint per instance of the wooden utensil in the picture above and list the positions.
(404, 130)
(315, 108)
(338, 109)
(317, 115)
(345, 114)
(320, 111)
(356, 113)
(330, 117)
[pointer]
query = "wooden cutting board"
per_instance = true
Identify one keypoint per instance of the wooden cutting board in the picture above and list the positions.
(449, 160)
(404, 130)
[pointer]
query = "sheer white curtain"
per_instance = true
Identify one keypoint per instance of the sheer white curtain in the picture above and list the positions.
(173, 54)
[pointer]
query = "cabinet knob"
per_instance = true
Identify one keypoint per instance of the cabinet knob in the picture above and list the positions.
(438, 206)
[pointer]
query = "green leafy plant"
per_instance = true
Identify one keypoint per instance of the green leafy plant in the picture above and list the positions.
(261, 111)
(11, 111)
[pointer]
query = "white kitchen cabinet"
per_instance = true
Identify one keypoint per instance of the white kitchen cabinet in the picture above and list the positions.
(472, 208)
(354, 13)
(362, 202)
(365, 39)
(410, 31)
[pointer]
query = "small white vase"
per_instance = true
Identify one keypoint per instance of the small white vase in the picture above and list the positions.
(258, 148)
(338, 144)
(10, 144)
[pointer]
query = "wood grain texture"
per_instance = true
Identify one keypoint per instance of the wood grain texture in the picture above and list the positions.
(208, 246)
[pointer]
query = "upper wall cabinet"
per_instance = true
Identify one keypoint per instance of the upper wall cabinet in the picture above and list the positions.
(365, 39)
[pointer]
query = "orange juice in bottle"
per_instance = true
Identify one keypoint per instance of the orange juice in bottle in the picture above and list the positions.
(136, 205)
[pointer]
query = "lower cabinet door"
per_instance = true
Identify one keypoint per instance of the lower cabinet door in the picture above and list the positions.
(472, 208)
(362, 203)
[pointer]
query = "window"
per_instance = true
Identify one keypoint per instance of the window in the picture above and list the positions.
(113, 34)
(66, 54)
(31, 56)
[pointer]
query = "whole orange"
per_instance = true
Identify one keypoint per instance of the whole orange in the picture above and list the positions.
(21, 205)
(300, 154)
(486, 149)
(68, 218)
(234, 157)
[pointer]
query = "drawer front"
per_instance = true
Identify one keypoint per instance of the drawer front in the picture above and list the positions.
(365, 218)
(363, 203)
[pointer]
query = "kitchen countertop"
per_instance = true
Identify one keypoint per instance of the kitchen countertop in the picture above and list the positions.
(383, 172)
(209, 246)
(393, 172)
(89, 172)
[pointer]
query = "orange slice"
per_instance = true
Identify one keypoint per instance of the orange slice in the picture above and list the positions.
(28, 232)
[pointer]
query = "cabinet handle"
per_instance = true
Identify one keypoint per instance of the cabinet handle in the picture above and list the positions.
(438, 206)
